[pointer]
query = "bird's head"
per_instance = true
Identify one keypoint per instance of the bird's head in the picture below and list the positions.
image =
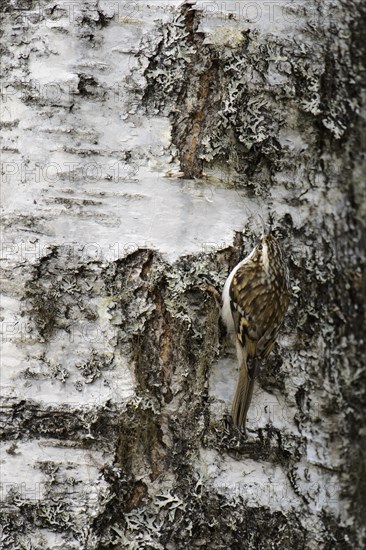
(268, 251)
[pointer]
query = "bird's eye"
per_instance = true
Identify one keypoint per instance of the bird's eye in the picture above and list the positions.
(260, 247)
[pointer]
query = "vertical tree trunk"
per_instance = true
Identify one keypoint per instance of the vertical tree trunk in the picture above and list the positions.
(144, 142)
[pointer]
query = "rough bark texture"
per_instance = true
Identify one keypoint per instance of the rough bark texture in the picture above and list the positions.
(143, 142)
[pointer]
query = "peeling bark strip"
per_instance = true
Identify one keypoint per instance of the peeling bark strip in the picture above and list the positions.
(117, 378)
(189, 161)
(198, 88)
(189, 150)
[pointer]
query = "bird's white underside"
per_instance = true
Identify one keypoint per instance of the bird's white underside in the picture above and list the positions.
(226, 314)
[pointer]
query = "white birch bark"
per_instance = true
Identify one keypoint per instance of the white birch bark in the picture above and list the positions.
(143, 142)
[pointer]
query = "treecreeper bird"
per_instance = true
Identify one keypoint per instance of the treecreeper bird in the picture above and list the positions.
(254, 302)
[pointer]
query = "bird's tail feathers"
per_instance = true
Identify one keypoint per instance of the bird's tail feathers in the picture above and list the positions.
(243, 396)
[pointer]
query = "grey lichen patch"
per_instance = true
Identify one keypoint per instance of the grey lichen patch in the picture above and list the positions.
(123, 493)
(20, 516)
(93, 367)
(153, 305)
(336, 84)
(224, 113)
(195, 515)
(130, 293)
(60, 373)
(56, 298)
(229, 102)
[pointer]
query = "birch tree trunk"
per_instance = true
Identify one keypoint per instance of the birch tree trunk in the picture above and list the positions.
(143, 143)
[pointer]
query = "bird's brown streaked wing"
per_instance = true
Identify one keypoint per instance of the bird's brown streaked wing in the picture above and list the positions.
(258, 317)
(273, 316)
(243, 309)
